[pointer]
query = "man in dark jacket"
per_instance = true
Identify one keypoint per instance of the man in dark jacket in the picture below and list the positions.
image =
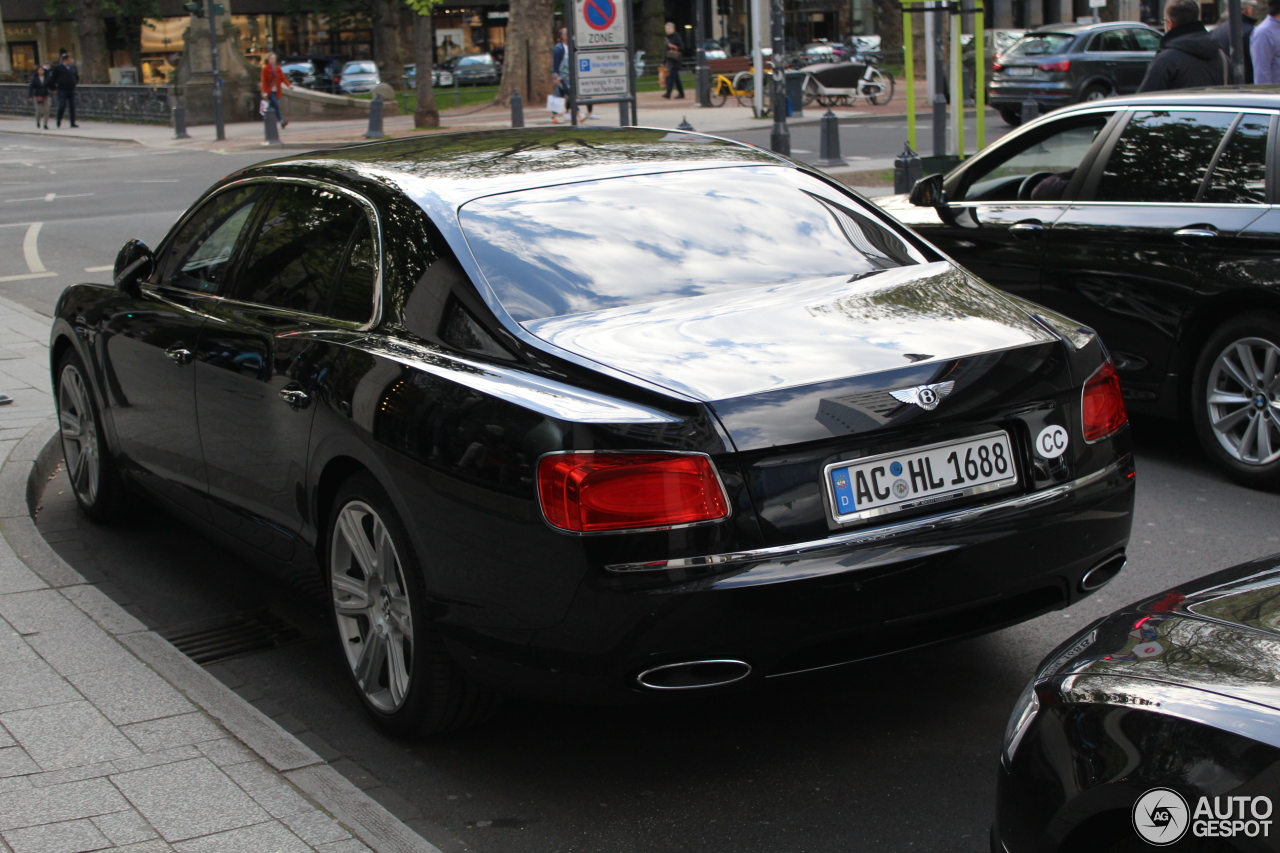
(64, 78)
(1222, 35)
(1188, 55)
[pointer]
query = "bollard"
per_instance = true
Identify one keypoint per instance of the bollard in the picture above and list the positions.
(907, 169)
(517, 110)
(684, 125)
(780, 136)
(180, 122)
(269, 129)
(624, 113)
(829, 144)
(1030, 110)
(375, 119)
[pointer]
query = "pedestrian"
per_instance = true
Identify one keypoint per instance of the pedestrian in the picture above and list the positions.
(560, 73)
(672, 60)
(63, 79)
(273, 77)
(1222, 35)
(38, 93)
(1188, 55)
(1264, 46)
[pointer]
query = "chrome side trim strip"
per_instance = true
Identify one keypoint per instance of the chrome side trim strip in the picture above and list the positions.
(879, 534)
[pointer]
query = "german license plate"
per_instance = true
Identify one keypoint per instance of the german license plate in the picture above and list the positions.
(920, 477)
(1019, 70)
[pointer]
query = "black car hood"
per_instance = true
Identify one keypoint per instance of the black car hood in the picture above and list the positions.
(738, 344)
(1219, 634)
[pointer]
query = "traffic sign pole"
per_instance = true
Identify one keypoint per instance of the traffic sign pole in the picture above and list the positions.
(600, 66)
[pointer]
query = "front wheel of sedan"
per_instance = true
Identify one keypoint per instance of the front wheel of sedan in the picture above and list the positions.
(95, 480)
(397, 663)
(1236, 399)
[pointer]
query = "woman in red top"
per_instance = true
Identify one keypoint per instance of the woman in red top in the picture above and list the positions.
(273, 77)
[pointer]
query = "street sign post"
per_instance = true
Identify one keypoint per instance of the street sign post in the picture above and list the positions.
(600, 57)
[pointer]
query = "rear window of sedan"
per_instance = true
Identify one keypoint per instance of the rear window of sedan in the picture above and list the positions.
(577, 248)
(1041, 44)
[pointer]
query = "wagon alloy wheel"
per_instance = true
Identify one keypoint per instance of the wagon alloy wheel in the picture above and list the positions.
(79, 435)
(371, 603)
(1243, 399)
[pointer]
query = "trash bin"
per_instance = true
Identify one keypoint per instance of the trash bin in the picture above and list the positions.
(795, 93)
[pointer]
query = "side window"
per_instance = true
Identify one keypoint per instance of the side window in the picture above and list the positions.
(298, 248)
(1111, 41)
(1146, 39)
(1055, 153)
(201, 252)
(353, 296)
(1240, 177)
(1162, 156)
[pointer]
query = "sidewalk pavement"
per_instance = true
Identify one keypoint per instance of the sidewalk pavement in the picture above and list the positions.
(112, 739)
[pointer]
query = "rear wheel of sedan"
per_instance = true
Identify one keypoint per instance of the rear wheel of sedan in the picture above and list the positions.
(99, 488)
(397, 662)
(1236, 399)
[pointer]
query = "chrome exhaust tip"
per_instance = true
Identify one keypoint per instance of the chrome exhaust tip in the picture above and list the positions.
(1101, 574)
(692, 675)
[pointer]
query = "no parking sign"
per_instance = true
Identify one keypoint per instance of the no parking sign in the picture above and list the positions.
(599, 24)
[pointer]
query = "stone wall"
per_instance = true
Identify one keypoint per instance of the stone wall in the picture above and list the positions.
(130, 104)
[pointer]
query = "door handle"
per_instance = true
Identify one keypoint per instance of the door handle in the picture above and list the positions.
(1195, 233)
(180, 355)
(1026, 230)
(295, 397)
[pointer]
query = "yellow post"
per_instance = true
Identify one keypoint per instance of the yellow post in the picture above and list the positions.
(909, 72)
(957, 83)
(980, 74)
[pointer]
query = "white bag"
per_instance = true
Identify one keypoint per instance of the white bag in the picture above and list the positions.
(555, 104)
(262, 107)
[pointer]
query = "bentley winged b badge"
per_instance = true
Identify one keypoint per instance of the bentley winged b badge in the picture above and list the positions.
(926, 397)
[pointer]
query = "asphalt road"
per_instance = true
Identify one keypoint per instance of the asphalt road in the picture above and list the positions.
(893, 755)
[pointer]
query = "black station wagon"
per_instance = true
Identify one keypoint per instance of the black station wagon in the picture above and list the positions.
(597, 415)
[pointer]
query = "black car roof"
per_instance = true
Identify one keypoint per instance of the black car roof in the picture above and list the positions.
(1242, 97)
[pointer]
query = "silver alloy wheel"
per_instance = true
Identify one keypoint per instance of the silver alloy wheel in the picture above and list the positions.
(79, 435)
(1244, 400)
(1094, 95)
(371, 602)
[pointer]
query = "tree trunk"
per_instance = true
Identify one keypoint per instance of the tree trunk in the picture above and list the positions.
(387, 53)
(133, 32)
(530, 37)
(92, 32)
(426, 115)
(651, 37)
(5, 66)
(889, 24)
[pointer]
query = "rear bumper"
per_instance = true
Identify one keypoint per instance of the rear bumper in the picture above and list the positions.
(800, 608)
(1046, 93)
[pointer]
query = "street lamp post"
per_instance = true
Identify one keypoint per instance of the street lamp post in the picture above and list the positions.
(780, 138)
(702, 76)
(213, 9)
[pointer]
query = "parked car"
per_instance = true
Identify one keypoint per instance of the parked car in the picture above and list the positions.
(439, 77)
(473, 69)
(358, 77)
(1148, 218)
(601, 414)
(1157, 726)
(313, 71)
(1067, 63)
(300, 73)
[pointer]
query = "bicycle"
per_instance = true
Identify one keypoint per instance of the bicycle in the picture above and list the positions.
(742, 87)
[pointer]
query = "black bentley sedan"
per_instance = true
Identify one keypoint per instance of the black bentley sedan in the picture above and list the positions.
(1158, 725)
(601, 415)
(1152, 219)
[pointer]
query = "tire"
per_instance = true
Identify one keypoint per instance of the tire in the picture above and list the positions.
(96, 481)
(719, 95)
(1011, 117)
(1096, 92)
(745, 82)
(1235, 399)
(397, 664)
(810, 91)
(883, 82)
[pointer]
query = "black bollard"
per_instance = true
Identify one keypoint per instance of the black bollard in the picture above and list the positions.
(780, 136)
(180, 121)
(1030, 110)
(829, 145)
(684, 125)
(375, 119)
(517, 110)
(907, 169)
(269, 129)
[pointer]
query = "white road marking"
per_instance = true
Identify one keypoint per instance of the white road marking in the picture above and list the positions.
(100, 269)
(29, 249)
(49, 197)
(27, 276)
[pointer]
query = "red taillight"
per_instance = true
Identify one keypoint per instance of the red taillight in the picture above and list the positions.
(996, 66)
(587, 492)
(1064, 65)
(1102, 407)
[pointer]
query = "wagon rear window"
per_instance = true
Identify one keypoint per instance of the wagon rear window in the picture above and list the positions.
(575, 248)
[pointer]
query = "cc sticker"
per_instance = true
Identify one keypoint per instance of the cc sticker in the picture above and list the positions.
(1051, 442)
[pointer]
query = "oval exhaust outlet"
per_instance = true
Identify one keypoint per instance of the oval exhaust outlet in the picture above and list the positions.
(692, 675)
(1101, 574)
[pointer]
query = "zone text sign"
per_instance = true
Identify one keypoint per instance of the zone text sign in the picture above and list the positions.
(599, 24)
(600, 73)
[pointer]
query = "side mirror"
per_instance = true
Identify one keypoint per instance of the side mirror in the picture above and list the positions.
(134, 263)
(928, 192)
